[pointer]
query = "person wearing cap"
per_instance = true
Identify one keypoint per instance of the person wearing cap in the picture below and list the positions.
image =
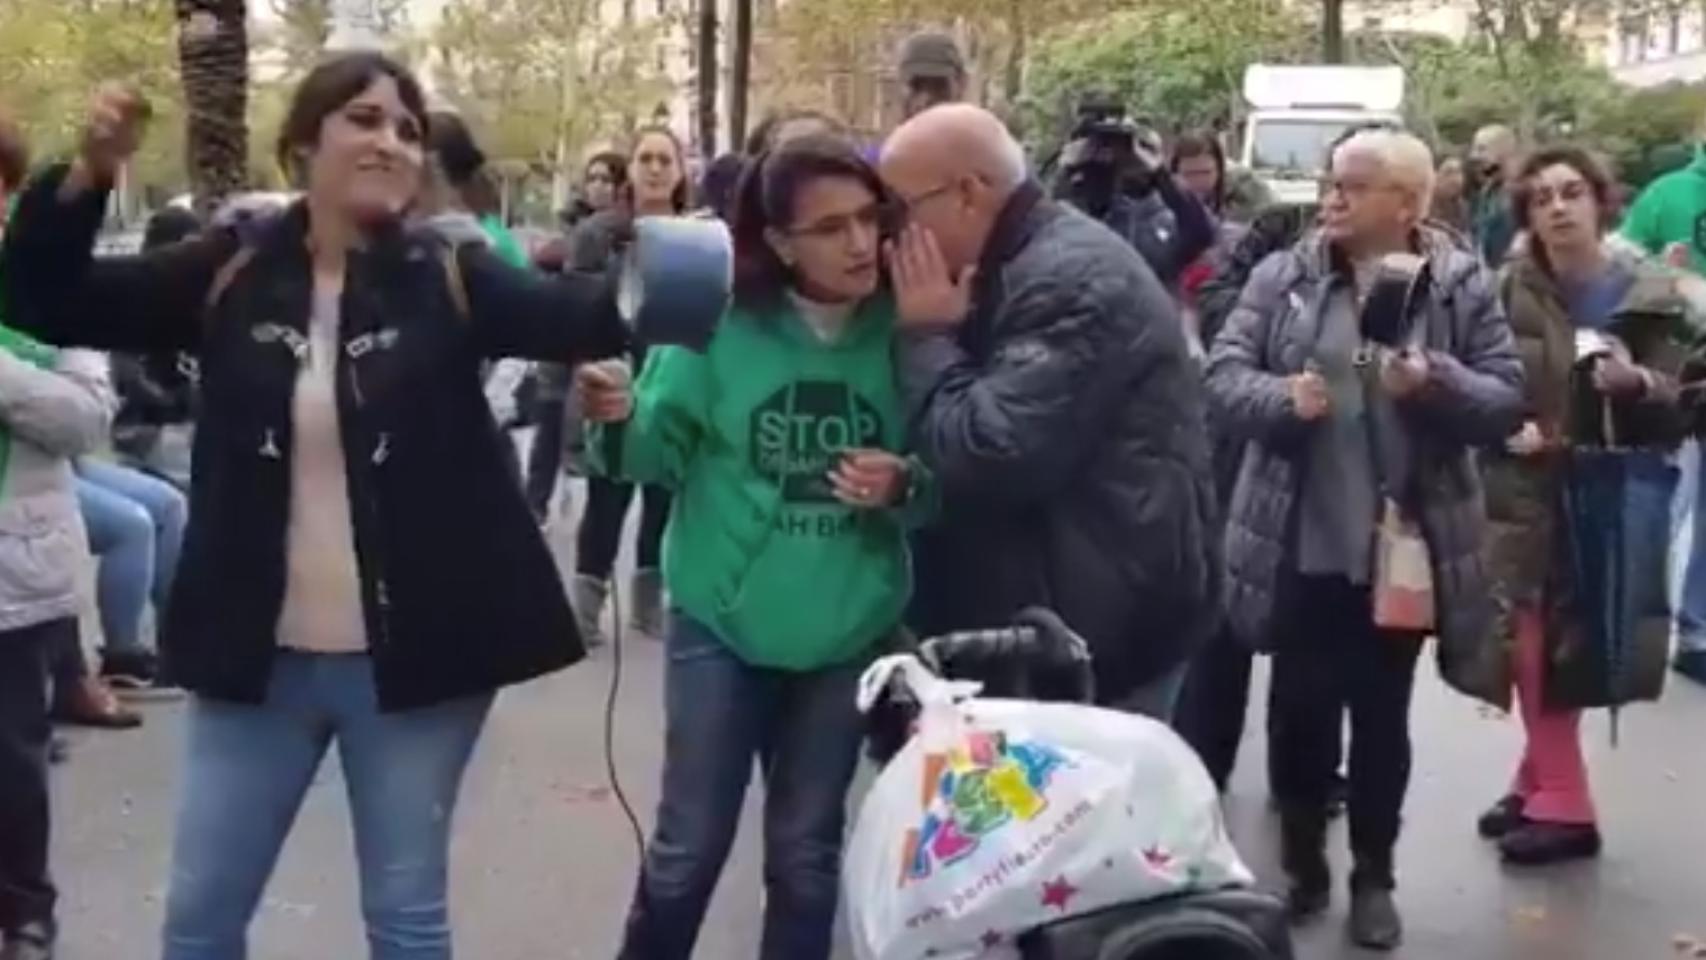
(932, 71)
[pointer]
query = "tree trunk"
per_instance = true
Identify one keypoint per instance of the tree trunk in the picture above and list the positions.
(1332, 31)
(1015, 79)
(213, 61)
(740, 73)
(707, 78)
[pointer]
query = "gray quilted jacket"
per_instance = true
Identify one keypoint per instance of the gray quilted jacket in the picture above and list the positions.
(1474, 398)
(53, 415)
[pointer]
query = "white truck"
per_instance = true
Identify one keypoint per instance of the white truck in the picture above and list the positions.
(1296, 112)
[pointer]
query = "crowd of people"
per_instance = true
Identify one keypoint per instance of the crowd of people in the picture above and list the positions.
(943, 392)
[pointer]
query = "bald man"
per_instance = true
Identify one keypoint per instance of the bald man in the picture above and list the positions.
(1054, 400)
(1493, 154)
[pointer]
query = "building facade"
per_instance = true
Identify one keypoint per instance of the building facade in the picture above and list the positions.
(1663, 45)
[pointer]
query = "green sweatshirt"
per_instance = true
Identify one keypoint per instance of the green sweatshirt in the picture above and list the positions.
(758, 548)
(504, 243)
(1673, 210)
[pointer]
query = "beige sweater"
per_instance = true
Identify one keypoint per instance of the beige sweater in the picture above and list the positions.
(322, 593)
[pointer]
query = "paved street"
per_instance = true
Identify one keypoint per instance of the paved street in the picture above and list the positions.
(544, 860)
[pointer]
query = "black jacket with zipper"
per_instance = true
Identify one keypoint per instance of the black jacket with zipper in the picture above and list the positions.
(460, 594)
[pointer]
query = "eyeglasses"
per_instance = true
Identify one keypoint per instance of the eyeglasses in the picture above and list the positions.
(1354, 189)
(604, 178)
(842, 226)
(909, 204)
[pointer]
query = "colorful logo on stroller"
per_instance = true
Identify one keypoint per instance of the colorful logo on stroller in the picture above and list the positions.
(971, 792)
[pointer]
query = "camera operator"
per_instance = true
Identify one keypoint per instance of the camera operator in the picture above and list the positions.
(1111, 169)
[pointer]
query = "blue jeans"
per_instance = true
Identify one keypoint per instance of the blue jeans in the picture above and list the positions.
(1688, 554)
(247, 769)
(136, 527)
(805, 730)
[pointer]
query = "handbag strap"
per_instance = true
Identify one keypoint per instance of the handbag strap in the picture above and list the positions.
(1368, 374)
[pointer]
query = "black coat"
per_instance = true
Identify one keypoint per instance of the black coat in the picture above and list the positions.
(460, 593)
(1066, 426)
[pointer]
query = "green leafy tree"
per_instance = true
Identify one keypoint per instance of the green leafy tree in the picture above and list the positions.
(54, 53)
(834, 41)
(301, 28)
(1173, 66)
(542, 80)
(1649, 132)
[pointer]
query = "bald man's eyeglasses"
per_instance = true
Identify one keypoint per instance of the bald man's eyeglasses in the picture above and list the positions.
(908, 205)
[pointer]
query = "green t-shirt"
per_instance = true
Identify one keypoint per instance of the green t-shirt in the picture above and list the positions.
(1673, 210)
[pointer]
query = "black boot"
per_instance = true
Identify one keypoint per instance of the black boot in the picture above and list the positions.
(1502, 818)
(1539, 843)
(1374, 923)
(1303, 853)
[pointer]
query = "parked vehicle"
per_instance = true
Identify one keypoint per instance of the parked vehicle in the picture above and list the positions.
(1297, 112)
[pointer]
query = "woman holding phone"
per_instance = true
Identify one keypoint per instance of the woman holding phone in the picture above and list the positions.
(781, 445)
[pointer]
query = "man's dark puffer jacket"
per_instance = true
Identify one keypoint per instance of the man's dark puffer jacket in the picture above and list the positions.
(1065, 422)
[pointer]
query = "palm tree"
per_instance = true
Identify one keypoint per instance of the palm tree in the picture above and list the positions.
(213, 63)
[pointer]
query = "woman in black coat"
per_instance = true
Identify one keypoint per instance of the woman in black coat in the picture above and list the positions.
(359, 565)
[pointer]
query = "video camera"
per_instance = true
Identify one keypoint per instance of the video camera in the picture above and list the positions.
(1106, 154)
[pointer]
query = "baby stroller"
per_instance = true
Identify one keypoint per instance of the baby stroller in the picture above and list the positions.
(1039, 658)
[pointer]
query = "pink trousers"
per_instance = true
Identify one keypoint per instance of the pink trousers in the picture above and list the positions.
(1552, 779)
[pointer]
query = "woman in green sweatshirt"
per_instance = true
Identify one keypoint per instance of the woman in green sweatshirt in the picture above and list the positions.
(786, 555)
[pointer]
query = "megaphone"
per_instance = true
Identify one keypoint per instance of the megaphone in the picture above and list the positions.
(676, 280)
(1395, 299)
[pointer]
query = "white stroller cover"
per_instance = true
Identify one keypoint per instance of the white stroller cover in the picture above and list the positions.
(1001, 816)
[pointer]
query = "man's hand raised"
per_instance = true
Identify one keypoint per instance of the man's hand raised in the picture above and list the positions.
(927, 296)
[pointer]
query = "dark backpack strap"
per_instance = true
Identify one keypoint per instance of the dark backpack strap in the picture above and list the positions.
(453, 278)
(222, 280)
(228, 271)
